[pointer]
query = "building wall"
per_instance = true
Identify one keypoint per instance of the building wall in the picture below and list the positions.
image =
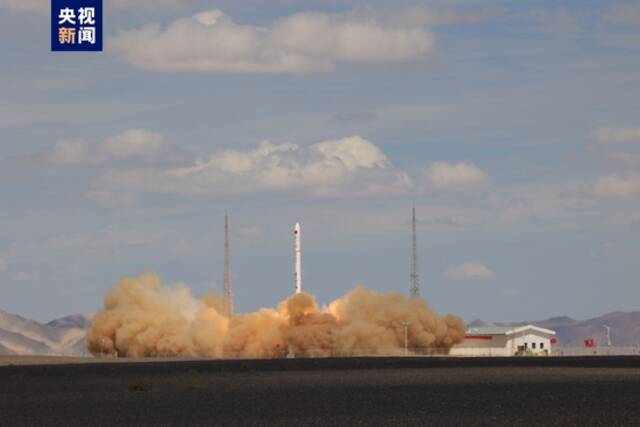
(486, 345)
(502, 345)
(530, 338)
(480, 351)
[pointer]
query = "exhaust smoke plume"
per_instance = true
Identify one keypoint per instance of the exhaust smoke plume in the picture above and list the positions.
(143, 318)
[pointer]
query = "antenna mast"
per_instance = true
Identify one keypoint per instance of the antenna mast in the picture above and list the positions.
(228, 293)
(415, 282)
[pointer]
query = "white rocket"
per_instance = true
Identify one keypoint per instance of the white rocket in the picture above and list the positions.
(298, 262)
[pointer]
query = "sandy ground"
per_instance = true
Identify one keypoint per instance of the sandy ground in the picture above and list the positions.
(43, 360)
(63, 360)
(400, 391)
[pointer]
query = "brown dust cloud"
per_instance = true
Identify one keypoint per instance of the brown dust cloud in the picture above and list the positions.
(144, 318)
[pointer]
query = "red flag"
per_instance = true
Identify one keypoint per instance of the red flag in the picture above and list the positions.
(590, 342)
(554, 341)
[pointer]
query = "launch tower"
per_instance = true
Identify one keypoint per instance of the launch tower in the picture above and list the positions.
(415, 280)
(298, 258)
(228, 291)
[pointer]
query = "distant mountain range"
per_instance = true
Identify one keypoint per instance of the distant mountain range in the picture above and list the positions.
(625, 328)
(66, 336)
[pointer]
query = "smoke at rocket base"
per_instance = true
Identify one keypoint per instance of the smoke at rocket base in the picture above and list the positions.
(144, 318)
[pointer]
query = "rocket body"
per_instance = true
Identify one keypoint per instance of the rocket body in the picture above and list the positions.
(298, 258)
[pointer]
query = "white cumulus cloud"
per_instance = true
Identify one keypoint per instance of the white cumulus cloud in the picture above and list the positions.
(441, 176)
(348, 166)
(617, 134)
(133, 143)
(470, 271)
(618, 185)
(304, 42)
(137, 145)
(71, 153)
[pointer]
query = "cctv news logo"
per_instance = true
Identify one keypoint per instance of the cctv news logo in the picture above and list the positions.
(76, 25)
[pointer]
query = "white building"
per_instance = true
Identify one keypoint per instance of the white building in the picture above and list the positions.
(526, 340)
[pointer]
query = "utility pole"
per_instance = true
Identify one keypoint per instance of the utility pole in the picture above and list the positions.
(228, 292)
(608, 335)
(415, 281)
(406, 338)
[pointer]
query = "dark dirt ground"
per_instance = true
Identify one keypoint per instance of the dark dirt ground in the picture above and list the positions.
(327, 392)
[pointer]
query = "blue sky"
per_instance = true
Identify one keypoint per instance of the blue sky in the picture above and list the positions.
(513, 126)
